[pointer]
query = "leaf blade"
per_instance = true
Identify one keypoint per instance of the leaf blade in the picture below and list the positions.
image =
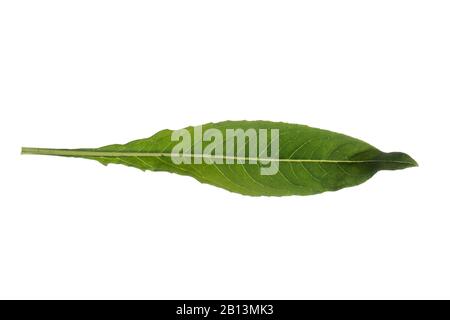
(311, 160)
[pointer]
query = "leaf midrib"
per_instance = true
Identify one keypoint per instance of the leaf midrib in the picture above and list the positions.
(95, 153)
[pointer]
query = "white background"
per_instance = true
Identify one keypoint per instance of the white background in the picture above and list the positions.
(91, 73)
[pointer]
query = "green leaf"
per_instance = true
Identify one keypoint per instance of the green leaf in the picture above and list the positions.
(310, 160)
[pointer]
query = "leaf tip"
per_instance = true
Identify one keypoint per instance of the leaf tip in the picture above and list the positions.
(414, 163)
(409, 160)
(398, 160)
